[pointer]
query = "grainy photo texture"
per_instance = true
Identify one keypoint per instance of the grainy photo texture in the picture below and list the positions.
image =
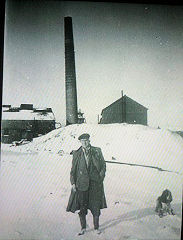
(92, 121)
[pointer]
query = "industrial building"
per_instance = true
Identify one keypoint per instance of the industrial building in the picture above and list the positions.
(81, 118)
(25, 122)
(124, 110)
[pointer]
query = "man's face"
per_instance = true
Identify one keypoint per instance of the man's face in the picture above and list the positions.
(85, 143)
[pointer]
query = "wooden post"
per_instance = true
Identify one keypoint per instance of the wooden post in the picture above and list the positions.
(98, 119)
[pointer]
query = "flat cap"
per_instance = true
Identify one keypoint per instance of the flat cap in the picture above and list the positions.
(84, 136)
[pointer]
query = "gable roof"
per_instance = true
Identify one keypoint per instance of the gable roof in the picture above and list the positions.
(135, 102)
(120, 99)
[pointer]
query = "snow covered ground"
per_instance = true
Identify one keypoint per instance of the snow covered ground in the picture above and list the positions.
(35, 184)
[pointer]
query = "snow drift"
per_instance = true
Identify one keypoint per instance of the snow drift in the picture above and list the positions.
(126, 143)
(35, 184)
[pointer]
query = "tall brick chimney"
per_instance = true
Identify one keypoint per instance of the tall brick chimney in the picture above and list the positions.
(70, 74)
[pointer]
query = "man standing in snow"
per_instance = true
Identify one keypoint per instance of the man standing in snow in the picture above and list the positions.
(86, 176)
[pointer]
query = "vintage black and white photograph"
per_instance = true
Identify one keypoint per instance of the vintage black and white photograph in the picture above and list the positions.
(91, 121)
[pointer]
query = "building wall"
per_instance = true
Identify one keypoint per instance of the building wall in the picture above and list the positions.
(15, 130)
(43, 126)
(135, 113)
(113, 113)
(125, 110)
(17, 124)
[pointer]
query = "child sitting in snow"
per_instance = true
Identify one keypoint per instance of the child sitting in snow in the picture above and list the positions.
(163, 203)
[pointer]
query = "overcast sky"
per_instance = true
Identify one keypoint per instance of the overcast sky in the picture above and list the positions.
(136, 48)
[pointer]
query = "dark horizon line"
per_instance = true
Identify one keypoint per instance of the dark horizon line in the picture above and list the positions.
(160, 2)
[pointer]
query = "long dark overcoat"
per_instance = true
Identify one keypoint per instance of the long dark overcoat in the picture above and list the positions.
(96, 189)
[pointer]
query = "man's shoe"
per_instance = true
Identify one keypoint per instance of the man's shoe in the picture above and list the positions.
(82, 232)
(97, 231)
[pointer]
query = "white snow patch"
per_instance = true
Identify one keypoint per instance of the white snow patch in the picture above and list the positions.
(136, 144)
(27, 115)
(35, 185)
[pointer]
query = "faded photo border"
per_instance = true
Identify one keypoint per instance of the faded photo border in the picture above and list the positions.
(35, 174)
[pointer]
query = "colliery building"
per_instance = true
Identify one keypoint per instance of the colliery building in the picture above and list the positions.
(124, 110)
(25, 122)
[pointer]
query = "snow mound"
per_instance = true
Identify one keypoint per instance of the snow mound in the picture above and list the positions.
(126, 143)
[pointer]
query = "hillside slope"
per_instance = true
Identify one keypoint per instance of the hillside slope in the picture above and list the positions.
(134, 144)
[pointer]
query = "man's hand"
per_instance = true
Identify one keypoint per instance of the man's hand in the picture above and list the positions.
(74, 187)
